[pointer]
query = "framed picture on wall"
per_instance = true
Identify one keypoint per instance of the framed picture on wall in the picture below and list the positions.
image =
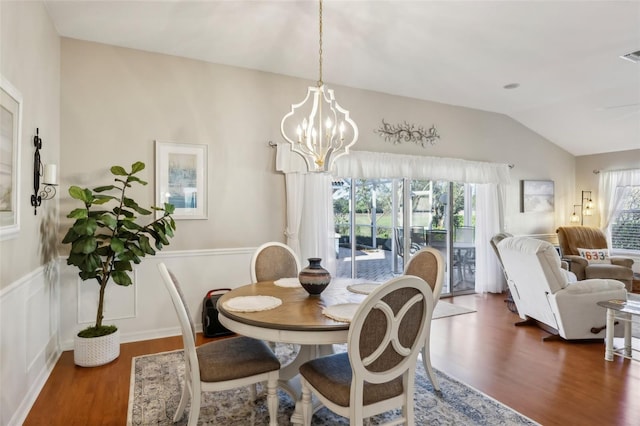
(10, 131)
(536, 196)
(181, 178)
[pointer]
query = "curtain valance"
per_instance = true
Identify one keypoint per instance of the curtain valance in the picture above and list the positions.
(381, 165)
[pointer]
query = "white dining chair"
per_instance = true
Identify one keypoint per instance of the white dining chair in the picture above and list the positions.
(377, 372)
(222, 364)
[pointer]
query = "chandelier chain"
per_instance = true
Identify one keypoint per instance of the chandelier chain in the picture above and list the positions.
(320, 49)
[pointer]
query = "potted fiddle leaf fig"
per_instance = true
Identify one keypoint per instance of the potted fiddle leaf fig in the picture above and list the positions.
(106, 239)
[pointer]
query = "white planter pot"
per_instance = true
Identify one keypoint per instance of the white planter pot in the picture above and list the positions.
(94, 351)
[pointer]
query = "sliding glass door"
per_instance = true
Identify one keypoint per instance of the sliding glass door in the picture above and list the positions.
(376, 234)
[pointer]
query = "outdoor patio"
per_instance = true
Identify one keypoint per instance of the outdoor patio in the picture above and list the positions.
(377, 265)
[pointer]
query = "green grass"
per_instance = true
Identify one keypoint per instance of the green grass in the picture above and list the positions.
(385, 219)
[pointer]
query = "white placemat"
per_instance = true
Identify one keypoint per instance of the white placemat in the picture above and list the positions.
(362, 288)
(342, 312)
(252, 303)
(287, 282)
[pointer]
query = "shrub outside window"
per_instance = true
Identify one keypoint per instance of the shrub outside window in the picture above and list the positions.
(625, 228)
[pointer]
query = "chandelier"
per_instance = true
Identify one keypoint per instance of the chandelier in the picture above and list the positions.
(317, 128)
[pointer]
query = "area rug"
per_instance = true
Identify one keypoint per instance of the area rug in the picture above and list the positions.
(156, 382)
(446, 309)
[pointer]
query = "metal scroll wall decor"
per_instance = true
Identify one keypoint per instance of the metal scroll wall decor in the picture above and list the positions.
(405, 132)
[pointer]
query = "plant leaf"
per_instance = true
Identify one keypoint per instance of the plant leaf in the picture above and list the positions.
(117, 245)
(78, 193)
(136, 179)
(121, 278)
(145, 246)
(122, 266)
(70, 236)
(84, 245)
(118, 171)
(137, 166)
(85, 226)
(78, 214)
(109, 220)
(101, 199)
(104, 188)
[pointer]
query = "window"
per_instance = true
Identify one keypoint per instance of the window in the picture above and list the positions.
(625, 228)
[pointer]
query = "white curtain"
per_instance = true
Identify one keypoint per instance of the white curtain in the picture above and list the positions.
(613, 188)
(310, 228)
(294, 187)
(489, 221)
(310, 204)
(316, 229)
(378, 165)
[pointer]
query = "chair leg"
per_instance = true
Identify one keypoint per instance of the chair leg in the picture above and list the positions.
(426, 360)
(194, 411)
(272, 400)
(407, 410)
(183, 401)
(307, 406)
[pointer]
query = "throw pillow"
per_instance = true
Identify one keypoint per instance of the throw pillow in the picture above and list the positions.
(595, 255)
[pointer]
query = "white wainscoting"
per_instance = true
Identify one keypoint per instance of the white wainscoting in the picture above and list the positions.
(38, 320)
(28, 343)
(144, 311)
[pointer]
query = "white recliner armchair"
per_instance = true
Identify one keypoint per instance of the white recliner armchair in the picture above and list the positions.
(542, 292)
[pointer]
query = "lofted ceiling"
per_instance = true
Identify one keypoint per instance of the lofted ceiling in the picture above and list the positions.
(574, 89)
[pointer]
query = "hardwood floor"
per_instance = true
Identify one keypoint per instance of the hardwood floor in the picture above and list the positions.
(553, 383)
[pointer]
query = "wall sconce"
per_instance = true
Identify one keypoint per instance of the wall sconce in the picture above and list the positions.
(586, 208)
(48, 173)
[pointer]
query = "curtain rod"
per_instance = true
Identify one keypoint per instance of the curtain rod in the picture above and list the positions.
(596, 171)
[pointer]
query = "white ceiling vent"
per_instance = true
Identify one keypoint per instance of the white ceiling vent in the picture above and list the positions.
(633, 56)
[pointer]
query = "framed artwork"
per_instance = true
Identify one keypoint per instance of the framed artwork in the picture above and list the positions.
(181, 178)
(10, 131)
(536, 196)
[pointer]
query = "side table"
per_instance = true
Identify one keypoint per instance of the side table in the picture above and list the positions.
(621, 310)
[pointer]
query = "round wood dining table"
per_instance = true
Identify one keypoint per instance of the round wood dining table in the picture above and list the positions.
(298, 320)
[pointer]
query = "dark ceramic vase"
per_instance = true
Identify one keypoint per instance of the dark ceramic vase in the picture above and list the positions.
(314, 278)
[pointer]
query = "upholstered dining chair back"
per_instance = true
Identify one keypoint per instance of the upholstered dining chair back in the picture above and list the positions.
(388, 330)
(377, 373)
(222, 364)
(272, 261)
(428, 264)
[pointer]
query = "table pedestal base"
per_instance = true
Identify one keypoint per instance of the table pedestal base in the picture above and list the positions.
(290, 377)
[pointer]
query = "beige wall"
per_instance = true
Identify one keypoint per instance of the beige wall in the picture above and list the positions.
(587, 180)
(30, 60)
(116, 101)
